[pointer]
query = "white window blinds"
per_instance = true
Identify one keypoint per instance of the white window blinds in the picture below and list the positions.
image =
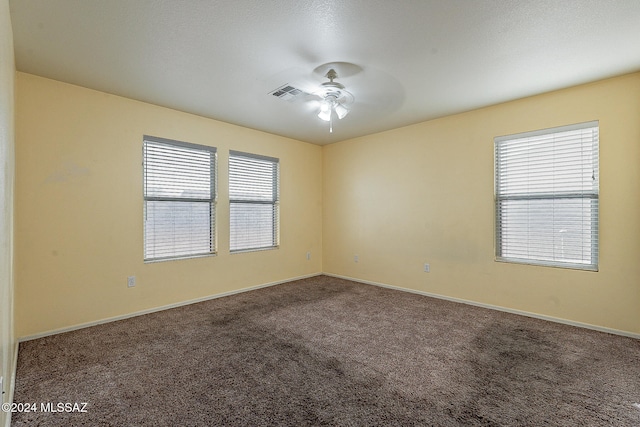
(546, 185)
(179, 199)
(253, 201)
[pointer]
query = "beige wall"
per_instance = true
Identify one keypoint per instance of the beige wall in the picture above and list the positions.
(424, 194)
(79, 208)
(398, 199)
(7, 171)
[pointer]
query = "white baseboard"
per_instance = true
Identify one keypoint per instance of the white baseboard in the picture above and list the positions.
(494, 307)
(161, 308)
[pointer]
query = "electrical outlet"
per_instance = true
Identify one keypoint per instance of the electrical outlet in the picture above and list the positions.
(427, 268)
(131, 281)
(356, 258)
(308, 256)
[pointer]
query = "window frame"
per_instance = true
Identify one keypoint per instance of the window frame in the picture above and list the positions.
(274, 202)
(211, 200)
(591, 196)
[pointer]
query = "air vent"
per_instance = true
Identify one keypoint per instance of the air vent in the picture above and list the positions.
(287, 92)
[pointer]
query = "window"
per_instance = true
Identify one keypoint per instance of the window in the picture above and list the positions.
(253, 202)
(179, 199)
(546, 185)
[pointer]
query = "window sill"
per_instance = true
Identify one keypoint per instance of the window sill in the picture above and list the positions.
(242, 251)
(566, 266)
(155, 260)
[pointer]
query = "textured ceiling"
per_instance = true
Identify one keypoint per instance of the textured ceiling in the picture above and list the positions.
(414, 60)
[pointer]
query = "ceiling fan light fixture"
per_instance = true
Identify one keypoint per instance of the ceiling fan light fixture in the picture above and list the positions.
(333, 97)
(341, 111)
(325, 104)
(325, 114)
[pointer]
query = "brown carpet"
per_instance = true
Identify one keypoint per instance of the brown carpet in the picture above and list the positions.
(325, 351)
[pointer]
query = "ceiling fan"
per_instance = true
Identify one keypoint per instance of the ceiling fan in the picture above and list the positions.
(334, 99)
(330, 99)
(377, 92)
